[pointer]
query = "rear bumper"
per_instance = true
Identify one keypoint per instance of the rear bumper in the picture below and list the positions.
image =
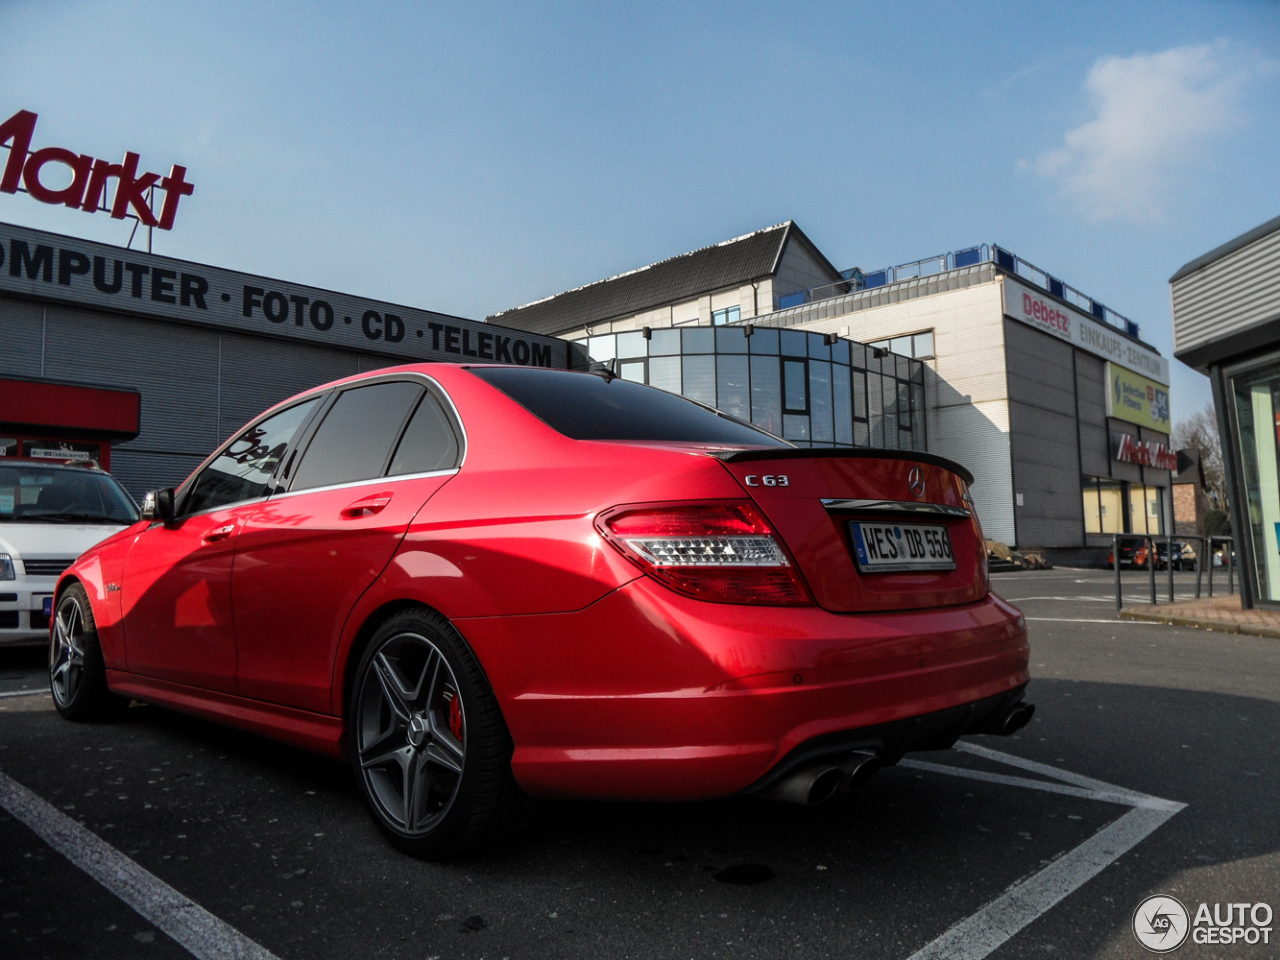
(650, 695)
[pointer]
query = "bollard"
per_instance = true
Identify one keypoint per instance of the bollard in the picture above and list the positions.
(1200, 555)
(1209, 559)
(1231, 566)
(1151, 568)
(1169, 562)
(1115, 562)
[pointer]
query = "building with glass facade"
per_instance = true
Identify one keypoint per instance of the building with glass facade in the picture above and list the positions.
(1051, 399)
(813, 389)
(1226, 324)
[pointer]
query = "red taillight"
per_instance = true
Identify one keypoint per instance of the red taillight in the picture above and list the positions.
(724, 552)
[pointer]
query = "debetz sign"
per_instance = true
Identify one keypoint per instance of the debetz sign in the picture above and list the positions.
(1056, 319)
(90, 178)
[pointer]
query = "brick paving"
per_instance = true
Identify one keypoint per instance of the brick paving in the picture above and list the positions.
(1210, 613)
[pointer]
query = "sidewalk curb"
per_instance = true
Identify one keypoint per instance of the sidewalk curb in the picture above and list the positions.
(1218, 626)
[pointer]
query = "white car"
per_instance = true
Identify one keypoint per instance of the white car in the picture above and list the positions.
(50, 513)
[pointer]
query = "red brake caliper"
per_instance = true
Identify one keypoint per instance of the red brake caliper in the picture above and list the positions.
(455, 716)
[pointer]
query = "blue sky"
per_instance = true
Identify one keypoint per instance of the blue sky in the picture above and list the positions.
(471, 157)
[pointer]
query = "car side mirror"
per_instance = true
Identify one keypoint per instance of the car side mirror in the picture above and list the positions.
(158, 505)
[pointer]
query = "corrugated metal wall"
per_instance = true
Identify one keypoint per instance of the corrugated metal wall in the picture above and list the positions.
(1046, 456)
(1091, 405)
(1231, 294)
(188, 405)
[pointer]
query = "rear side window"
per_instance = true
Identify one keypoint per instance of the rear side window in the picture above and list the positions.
(354, 440)
(428, 443)
(588, 407)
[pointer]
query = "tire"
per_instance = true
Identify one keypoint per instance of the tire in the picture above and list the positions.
(428, 745)
(77, 673)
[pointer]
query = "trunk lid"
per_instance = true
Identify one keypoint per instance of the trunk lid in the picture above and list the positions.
(814, 497)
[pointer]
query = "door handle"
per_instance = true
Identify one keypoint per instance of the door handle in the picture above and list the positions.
(219, 533)
(366, 506)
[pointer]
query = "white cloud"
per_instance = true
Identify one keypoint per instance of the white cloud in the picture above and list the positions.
(1157, 117)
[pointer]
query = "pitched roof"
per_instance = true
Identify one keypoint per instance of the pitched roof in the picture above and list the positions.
(726, 264)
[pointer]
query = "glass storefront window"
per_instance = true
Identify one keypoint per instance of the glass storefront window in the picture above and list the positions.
(664, 373)
(699, 340)
(1111, 506)
(795, 399)
(842, 403)
(792, 383)
(664, 343)
(732, 340)
(732, 395)
(766, 394)
(765, 341)
(602, 348)
(821, 426)
(1137, 509)
(795, 427)
(700, 378)
(1092, 506)
(632, 370)
(1256, 398)
(795, 343)
(632, 344)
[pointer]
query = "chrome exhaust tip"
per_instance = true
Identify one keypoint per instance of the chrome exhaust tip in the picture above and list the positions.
(1017, 718)
(860, 769)
(811, 785)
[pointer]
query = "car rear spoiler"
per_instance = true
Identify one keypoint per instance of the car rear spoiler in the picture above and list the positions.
(810, 453)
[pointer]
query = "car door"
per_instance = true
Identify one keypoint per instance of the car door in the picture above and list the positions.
(176, 589)
(377, 453)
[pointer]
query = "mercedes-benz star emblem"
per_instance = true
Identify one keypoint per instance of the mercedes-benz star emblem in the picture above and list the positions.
(916, 482)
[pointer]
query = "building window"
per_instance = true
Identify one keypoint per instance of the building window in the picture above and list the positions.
(727, 315)
(918, 346)
(1114, 506)
(795, 386)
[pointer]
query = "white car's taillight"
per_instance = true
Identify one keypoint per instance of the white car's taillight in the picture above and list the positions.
(723, 551)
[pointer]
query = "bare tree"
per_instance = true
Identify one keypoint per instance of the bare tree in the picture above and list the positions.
(1199, 432)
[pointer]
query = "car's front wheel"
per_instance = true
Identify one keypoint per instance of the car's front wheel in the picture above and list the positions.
(77, 673)
(431, 752)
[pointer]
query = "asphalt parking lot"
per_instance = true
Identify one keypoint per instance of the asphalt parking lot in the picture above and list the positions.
(1162, 742)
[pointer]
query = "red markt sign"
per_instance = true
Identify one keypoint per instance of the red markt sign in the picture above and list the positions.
(1146, 453)
(89, 178)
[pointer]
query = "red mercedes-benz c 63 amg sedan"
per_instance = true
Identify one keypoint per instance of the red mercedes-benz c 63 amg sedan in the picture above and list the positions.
(485, 584)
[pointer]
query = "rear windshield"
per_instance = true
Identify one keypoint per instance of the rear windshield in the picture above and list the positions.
(584, 406)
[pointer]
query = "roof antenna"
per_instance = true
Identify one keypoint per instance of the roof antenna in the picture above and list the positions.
(604, 368)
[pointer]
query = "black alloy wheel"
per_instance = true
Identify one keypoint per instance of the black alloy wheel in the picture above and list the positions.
(431, 752)
(77, 674)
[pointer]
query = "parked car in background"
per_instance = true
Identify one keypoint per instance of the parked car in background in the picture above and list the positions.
(1184, 555)
(1133, 553)
(50, 513)
(489, 583)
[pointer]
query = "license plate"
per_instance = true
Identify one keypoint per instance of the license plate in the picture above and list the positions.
(885, 547)
(46, 606)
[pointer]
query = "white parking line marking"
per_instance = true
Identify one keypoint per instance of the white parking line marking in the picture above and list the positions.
(980, 934)
(25, 693)
(199, 932)
(1149, 623)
